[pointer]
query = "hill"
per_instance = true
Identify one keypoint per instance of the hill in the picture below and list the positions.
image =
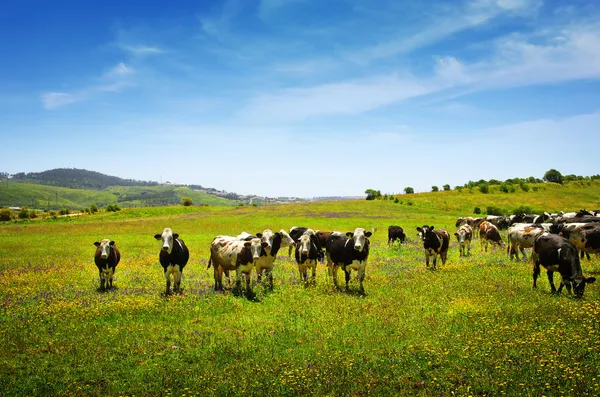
(20, 193)
(78, 179)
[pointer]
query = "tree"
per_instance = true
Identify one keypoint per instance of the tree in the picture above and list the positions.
(553, 175)
(446, 187)
(484, 188)
(372, 194)
(409, 190)
(435, 189)
(187, 201)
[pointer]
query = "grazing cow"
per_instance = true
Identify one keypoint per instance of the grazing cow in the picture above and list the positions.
(173, 257)
(307, 254)
(489, 233)
(557, 254)
(229, 253)
(350, 252)
(435, 242)
(521, 236)
(396, 233)
(464, 234)
(107, 258)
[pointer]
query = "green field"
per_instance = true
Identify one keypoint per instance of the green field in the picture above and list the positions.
(17, 193)
(473, 328)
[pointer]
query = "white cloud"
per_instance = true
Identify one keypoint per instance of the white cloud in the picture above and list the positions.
(53, 100)
(142, 49)
(120, 70)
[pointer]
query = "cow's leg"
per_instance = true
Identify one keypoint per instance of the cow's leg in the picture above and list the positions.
(314, 271)
(468, 247)
(426, 259)
(101, 280)
(347, 274)
(248, 290)
(334, 271)
(587, 255)
(444, 256)
(238, 279)
(564, 283)
(290, 251)
(551, 280)
(434, 263)
(177, 278)
(110, 277)
(168, 279)
(259, 271)
(361, 277)
(270, 278)
(536, 273)
(524, 253)
(218, 274)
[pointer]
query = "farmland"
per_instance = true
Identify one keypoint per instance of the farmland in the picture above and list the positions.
(475, 327)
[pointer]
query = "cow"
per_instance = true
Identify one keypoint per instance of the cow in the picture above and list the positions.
(396, 233)
(229, 253)
(571, 231)
(107, 258)
(521, 236)
(307, 254)
(489, 233)
(350, 252)
(266, 262)
(467, 220)
(435, 241)
(501, 222)
(586, 239)
(295, 233)
(557, 254)
(173, 257)
(286, 240)
(464, 235)
(322, 239)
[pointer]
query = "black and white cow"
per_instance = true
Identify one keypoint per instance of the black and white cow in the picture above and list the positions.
(230, 253)
(307, 254)
(173, 257)
(557, 254)
(396, 233)
(295, 233)
(435, 242)
(107, 258)
(464, 235)
(271, 243)
(350, 252)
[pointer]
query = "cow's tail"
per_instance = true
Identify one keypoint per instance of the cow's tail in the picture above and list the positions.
(209, 262)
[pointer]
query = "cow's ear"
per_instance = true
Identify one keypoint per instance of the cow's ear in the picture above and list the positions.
(368, 234)
(590, 280)
(175, 236)
(456, 234)
(259, 235)
(431, 227)
(419, 229)
(264, 244)
(97, 244)
(111, 243)
(157, 236)
(350, 234)
(247, 244)
(277, 234)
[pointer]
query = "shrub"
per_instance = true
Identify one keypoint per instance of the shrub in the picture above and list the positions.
(535, 188)
(484, 188)
(93, 208)
(396, 200)
(113, 208)
(409, 202)
(187, 201)
(409, 190)
(24, 213)
(64, 211)
(491, 210)
(52, 214)
(32, 214)
(477, 210)
(446, 187)
(525, 209)
(524, 187)
(435, 189)
(5, 214)
(504, 188)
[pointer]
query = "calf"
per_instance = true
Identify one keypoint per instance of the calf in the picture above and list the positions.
(489, 233)
(229, 253)
(173, 257)
(557, 254)
(521, 236)
(435, 242)
(350, 252)
(464, 234)
(107, 258)
(396, 233)
(307, 254)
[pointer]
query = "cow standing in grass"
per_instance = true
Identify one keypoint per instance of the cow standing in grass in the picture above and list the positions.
(173, 257)
(350, 252)
(396, 233)
(557, 254)
(435, 242)
(307, 254)
(521, 236)
(464, 235)
(489, 233)
(107, 258)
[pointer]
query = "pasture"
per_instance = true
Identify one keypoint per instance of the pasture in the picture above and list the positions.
(474, 327)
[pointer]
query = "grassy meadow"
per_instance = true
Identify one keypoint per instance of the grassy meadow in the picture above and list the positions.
(473, 328)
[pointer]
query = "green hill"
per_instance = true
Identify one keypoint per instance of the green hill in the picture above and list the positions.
(19, 193)
(78, 179)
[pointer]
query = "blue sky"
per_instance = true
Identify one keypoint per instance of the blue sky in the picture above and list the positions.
(299, 97)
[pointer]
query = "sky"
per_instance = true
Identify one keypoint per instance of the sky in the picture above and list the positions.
(301, 98)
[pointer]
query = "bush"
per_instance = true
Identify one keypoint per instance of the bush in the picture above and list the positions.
(32, 214)
(64, 211)
(525, 209)
(5, 214)
(435, 189)
(484, 188)
(524, 187)
(93, 208)
(52, 214)
(477, 210)
(113, 208)
(187, 202)
(446, 187)
(24, 213)
(396, 200)
(494, 210)
(409, 190)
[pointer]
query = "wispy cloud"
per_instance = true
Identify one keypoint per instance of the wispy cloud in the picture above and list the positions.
(142, 49)
(53, 100)
(120, 70)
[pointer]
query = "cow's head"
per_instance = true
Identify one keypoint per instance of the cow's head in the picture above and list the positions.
(360, 238)
(167, 238)
(104, 247)
(425, 232)
(579, 284)
(255, 246)
(460, 235)
(285, 238)
(303, 244)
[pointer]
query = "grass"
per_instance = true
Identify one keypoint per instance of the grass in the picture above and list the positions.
(33, 195)
(475, 327)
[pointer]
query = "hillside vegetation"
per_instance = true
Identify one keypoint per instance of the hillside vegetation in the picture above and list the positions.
(475, 327)
(17, 193)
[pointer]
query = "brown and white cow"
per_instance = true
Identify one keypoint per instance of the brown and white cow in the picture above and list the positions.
(521, 236)
(229, 253)
(489, 233)
(464, 235)
(107, 258)
(271, 243)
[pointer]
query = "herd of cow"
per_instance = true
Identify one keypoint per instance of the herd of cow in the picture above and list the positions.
(556, 240)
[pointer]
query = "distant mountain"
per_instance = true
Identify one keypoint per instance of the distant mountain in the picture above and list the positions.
(75, 178)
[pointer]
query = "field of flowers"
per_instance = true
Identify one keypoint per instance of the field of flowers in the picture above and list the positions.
(475, 327)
